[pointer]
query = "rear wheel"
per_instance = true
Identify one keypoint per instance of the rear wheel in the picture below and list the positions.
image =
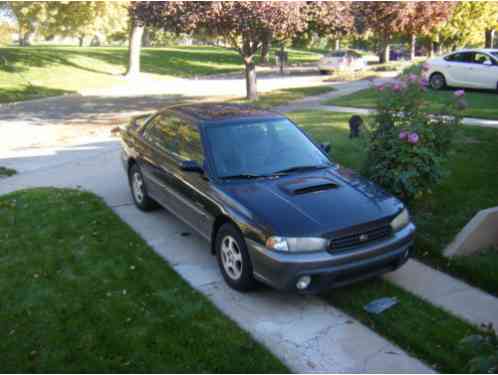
(437, 81)
(233, 258)
(139, 190)
(324, 72)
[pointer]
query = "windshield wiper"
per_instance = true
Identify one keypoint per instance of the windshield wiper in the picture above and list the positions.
(246, 176)
(300, 168)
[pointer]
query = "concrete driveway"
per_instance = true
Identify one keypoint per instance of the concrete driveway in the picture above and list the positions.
(308, 334)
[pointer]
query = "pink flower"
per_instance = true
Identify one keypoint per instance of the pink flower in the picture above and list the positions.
(380, 87)
(413, 138)
(459, 93)
(423, 82)
(396, 87)
(403, 135)
(412, 77)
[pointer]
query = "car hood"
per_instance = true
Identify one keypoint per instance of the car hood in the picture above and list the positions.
(322, 202)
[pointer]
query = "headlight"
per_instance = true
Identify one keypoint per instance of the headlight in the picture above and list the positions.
(296, 244)
(400, 221)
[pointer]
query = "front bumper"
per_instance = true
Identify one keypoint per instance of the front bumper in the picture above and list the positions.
(282, 270)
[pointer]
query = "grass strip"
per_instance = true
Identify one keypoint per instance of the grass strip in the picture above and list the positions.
(421, 329)
(284, 96)
(481, 104)
(82, 292)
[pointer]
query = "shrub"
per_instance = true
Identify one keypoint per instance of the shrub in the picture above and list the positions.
(407, 144)
(485, 351)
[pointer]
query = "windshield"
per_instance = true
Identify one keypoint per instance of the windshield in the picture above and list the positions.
(337, 54)
(494, 54)
(261, 148)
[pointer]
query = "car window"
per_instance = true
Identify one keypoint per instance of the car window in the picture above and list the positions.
(463, 57)
(162, 131)
(481, 58)
(494, 54)
(354, 54)
(260, 148)
(177, 136)
(190, 144)
(336, 54)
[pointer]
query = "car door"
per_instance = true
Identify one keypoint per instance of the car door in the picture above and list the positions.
(191, 187)
(176, 140)
(157, 165)
(484, 73)
(457, 68)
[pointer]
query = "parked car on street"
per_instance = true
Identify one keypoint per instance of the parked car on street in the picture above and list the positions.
(341, 60)
(472, 68)
(266, 196)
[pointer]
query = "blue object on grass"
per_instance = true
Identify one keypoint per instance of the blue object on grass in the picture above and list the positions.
(380, 305)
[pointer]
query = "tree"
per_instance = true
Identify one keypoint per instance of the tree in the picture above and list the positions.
(424, 16)
(134, 47)
(384, 19)
(244, 24)
(469, 23)
(332, 19)
(29, 15)
(84, 19)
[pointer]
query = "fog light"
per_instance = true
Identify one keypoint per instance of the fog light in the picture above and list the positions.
(303, 282)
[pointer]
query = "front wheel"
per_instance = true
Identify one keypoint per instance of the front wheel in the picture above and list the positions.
(437, 81)
(233, 258)
(139, 190)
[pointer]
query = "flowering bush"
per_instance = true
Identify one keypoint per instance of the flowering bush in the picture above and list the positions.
(407, 144)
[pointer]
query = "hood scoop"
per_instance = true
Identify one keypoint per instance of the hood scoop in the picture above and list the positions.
(308, 185)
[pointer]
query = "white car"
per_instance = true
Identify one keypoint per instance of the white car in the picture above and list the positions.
(341, 60)
(472, 68)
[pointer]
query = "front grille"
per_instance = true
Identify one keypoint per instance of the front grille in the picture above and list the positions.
(360, 238)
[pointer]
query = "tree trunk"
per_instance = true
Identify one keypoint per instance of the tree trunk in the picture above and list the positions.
(430, 48)
(265, 49)
(439, 48)
(134, 45)
(337, 44)
(489, 36)
(26, 38)
(81, 40)
(146, 38)
(384, 53)
(413, 45)
(282, 62)
(251, 88)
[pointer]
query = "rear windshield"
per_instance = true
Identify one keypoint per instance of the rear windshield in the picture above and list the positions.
(337, 54)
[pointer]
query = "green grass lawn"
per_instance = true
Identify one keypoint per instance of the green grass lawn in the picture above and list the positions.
(481, 104)
(471, 186)
(423, 330)
(6, 172)
(82, 292)
(32, 72)
(284, 96)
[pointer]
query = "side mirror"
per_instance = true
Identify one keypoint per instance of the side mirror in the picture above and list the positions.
(191, 166)
(325, 147)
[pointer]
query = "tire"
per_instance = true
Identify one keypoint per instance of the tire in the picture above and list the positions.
(437, 81)
(324, 72)
(233, 259)
(139, 191)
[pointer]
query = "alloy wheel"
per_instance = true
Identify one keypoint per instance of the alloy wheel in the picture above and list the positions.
(437, 81)
(138, 187)
(231, 257)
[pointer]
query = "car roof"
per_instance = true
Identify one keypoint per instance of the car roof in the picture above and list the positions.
(488, 50)
(222, 112)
